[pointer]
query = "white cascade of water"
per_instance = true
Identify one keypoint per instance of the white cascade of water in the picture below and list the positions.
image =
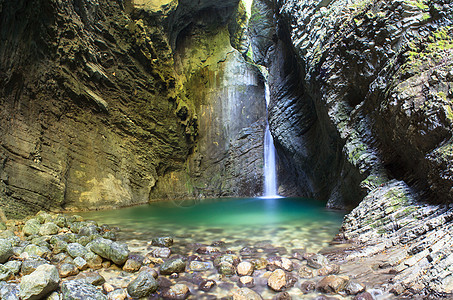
(270, 171)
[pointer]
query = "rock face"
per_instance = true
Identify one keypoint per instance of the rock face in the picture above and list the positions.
(107, 105)
(361, 110)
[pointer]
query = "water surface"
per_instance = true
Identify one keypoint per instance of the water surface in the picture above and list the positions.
(293, 223)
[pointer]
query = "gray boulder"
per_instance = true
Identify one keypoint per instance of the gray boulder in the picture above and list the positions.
(171, 266)
(143, 285)
(6, 250)
(76, 250)
(116, 252)
(41, 282)
(49, 229)
(80, 289)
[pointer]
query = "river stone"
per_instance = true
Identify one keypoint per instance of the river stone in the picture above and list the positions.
(31, 264)
(9, 291)
(364, 296)
(60, 221)
(329, 270)
(165, 241)
(307, 287)
(332, 284)
(229, 258)
(66, 270)
(13, 266)
(282, 296)
(31, 227)
(6, 250)
(177, 291)
(93, 278)
(80, 263)
(89, 230)
(34, 250)
(207, 250)
(49, 229)
(59, 247)
(354, 288)
(176, 265)
(114, 251)
(245, 294)
(199, 266)
(317, 261)
(5, 273)
(206, 285)
(79, 289)
(305, 272)
(246, 281)
(245, 268)
(94, 261)
(44, 217)
(142, 286)
(118, 294)
(279, 263)
(41, 282)
(132, 265)
(277, 280)
(161, 252)
(109, 235)
(225, 268)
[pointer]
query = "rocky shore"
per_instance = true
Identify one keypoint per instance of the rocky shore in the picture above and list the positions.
(57, 256)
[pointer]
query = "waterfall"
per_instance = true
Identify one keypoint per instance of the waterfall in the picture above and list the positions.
(270, 172)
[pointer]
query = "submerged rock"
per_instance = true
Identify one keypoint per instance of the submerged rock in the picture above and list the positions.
(246, 294)
(166, 241)
(206, 285)
(176, 292)
(332, 284)
(176, 265)
(143, 285)
(277, 280)
(245, 268)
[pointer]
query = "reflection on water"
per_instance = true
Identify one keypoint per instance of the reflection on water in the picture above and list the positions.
(289, 222)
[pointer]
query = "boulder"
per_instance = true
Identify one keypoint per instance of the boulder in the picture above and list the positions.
(199, 266)
(38, 251)
(114, 251)
(66, 270)
(93, 278)
(80, 263)
(176, 265)
(5, 273)
(31, 227)
(143, 285)
(30, 265)
(354, 288)
(6, 250)
(13, 266)
(9, 291)
(80, 289)
(48, 229)
(317, 261)
(42, 281)
(246, 281)
(161, 252)
(132, 265)
(76, 250)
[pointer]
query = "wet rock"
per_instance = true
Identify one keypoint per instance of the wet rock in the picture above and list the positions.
(199, 266)
(114, 251)
(80, 263)
(246, 281)
(132, 265)
(14, 266)
(31, 227)
(176, 265)
(76, 250)
(48, 229)
(6, 250)
(229, 258)
(161, 252)
(150, 270)
(225, 268)
(207, 250)
(206, 285)
(298, 254)
(277, 280)
(93, 278)
(307, 287)
(66, 270)
(245, 294)
(5, 273)
(259, 263)
(332, 284)
(329, 270)
(90, 230)
(317, 261)
(279, 263)
(177, 291)
(245, 268)
(364, 296)
(354, 288)
(305, 272)
(41, 282)
(142, 286)
(79, 289)
(165, 241)
(30, 265)
(282, 296)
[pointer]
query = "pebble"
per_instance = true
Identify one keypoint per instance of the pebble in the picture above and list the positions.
(177, 291)
(245, 268)
(206, 285)
(332, 284)
(277, 280)
(246, 281)
(245, 294)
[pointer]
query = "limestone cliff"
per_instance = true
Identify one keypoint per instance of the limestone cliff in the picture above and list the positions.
(112, 103)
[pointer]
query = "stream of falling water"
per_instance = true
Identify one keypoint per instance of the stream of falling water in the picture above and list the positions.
(270, 172)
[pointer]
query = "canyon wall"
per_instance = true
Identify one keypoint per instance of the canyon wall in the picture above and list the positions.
(112, 103)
